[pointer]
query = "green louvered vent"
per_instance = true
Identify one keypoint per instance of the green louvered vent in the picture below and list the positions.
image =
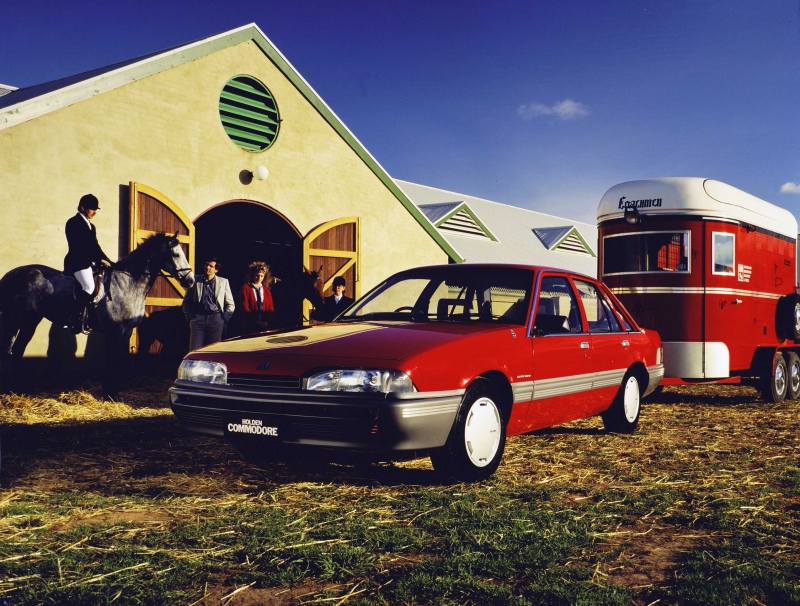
(249, 113)
(463, 223)
(572, 243)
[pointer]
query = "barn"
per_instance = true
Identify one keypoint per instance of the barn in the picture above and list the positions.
(224, 142)
(221, 141)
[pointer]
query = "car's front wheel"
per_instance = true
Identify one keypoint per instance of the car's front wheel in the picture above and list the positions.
(477, 440)
(623, 414)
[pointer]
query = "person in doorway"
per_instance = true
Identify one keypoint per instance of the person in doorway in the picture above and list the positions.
(208, 306)
(255, 299)
(83, 256)
(336, 303)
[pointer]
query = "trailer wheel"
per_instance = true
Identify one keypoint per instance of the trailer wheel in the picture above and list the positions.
(775, 381)
(793, 375)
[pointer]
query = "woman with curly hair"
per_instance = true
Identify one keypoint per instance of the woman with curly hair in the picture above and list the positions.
(255, 299)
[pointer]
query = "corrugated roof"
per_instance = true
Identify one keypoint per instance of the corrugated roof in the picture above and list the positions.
(513, 227)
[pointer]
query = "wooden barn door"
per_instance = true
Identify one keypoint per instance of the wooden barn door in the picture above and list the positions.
(151, 212)
(334, 246)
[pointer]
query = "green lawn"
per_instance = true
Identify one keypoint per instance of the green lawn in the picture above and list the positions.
(104, 503)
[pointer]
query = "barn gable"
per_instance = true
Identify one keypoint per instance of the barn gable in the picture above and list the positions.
(21, 105)
(157, 135)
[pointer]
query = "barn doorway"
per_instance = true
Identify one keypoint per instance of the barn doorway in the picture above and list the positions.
(240, 232)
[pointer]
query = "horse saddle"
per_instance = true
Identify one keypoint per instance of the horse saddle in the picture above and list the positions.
(99, 290)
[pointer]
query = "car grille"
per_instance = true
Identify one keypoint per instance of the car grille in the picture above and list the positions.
(278, 382)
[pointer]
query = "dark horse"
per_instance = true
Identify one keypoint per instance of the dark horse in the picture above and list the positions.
(288, 293)
(32, 292)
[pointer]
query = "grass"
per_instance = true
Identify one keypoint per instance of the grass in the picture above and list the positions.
(112, 503)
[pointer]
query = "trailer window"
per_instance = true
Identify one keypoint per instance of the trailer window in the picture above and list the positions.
(722, 256)
(643, 252)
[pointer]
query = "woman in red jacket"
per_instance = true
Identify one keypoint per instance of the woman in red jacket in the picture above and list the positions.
(255, 299)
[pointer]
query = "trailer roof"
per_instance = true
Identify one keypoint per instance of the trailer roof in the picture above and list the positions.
(695, 196)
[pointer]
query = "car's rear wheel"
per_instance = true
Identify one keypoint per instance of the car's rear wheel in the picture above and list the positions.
(623, 414)
(477, 440)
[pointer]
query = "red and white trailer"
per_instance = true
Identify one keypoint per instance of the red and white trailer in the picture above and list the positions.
(712, 269)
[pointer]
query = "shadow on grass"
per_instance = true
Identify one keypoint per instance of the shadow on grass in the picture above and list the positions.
(707, 395)
(154, 456)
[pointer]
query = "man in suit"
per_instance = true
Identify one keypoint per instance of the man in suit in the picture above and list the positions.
(208, 306)
(337, 302)
(83, 255)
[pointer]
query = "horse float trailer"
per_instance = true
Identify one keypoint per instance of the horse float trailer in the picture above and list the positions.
(714, 270)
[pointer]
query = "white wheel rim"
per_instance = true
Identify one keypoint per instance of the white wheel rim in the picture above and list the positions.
(780, 379)
(795, 378)
(630, 400)
(482, 432)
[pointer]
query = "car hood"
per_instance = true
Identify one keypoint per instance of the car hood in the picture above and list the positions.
(370, 340)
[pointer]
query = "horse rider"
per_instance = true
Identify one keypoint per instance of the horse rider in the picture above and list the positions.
(84, 254)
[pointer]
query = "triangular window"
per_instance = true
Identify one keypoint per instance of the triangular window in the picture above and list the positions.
(458, 219)
(564, 239)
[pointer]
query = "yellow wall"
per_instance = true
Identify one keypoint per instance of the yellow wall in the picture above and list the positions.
(164, 131)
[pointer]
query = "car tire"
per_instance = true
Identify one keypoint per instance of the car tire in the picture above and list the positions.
(623, 414)
(476, 443)
(793, 375)
(775, 381)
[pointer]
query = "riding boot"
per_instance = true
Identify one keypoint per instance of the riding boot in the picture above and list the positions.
(77, 322)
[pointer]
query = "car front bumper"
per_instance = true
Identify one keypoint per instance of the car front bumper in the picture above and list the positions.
(355, 421)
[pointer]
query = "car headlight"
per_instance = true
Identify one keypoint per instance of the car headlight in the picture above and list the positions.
(203, 372)
(361, 380)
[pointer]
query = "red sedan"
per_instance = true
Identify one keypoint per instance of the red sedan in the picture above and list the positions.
(445, 361)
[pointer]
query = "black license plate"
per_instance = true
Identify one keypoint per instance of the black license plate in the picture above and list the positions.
(255, 427)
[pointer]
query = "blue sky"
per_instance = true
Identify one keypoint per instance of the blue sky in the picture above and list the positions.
(541, 104)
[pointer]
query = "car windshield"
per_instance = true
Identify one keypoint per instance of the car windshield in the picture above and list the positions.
(453, 293)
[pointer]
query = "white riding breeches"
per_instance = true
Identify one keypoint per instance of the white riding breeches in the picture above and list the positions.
(85, 279)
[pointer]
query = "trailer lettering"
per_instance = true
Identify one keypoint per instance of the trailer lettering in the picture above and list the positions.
(649, 203)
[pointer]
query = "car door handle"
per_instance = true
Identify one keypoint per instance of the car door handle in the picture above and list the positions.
(626, 343)
(584, 345)
(736, 302)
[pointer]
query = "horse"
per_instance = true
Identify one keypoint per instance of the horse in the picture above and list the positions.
(32, 292)
(289, 291)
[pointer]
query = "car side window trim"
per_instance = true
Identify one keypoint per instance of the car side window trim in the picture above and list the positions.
(539, 303)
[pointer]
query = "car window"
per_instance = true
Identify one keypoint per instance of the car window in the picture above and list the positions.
(598, 310)
(450, 294)
(557, 308)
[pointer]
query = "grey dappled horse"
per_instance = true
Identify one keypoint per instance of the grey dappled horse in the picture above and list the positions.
(32, 292)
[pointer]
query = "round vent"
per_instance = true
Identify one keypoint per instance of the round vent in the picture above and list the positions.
(287, 339)
(249, 113)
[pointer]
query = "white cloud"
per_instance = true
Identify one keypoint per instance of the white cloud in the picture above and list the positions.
(790, 188)
(563, 110)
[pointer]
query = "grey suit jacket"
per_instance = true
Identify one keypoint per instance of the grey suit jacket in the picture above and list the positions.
(222, 295)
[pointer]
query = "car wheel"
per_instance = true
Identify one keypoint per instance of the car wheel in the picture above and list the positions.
(477, 440)
(623, 414)
(793, 375)
(775, 381)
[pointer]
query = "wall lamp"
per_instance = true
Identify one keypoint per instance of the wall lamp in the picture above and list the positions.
(260, 172)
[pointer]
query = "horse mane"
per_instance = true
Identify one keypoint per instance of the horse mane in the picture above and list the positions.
(137, 260)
